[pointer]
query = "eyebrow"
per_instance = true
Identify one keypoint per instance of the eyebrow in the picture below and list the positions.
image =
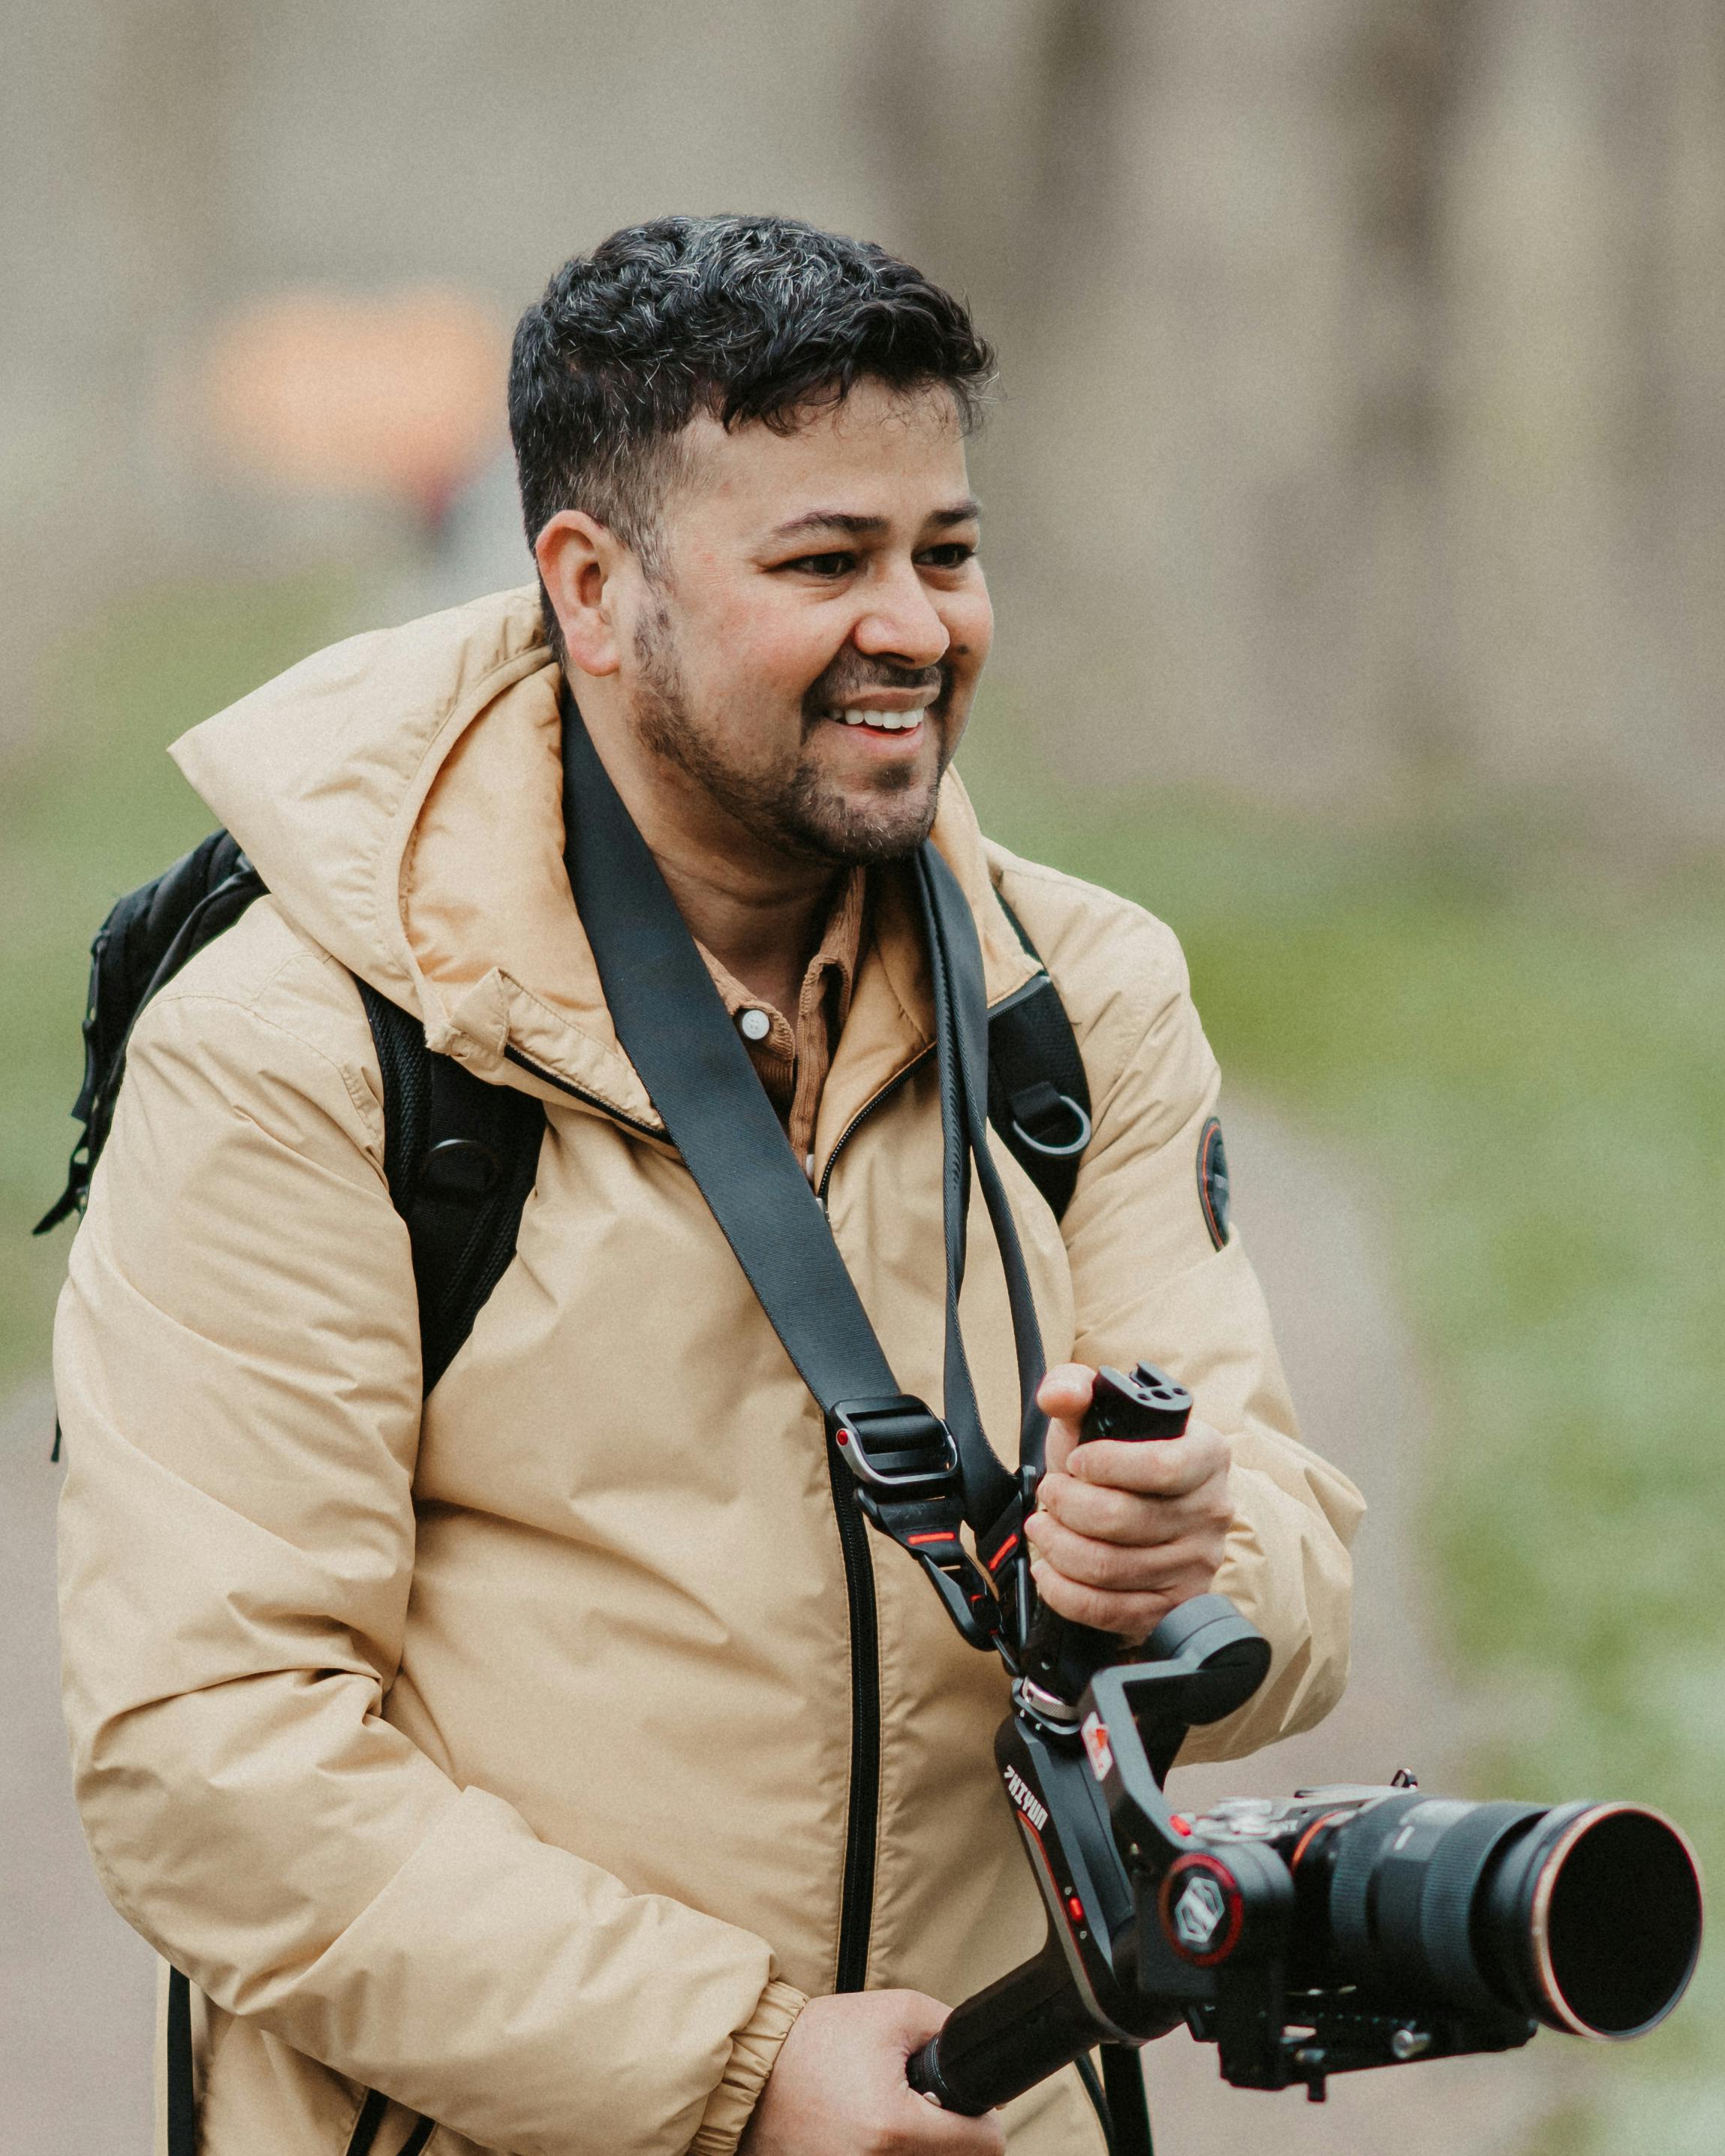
(871, 528)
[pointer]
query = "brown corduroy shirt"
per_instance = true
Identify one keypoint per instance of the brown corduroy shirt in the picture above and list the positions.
(792, 1057)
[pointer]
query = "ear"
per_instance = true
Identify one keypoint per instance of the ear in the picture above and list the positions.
(582, 564)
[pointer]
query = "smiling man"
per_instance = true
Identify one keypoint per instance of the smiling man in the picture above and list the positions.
(536, 1753)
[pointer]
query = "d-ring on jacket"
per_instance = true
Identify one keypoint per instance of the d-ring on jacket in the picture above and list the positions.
(493, 1749)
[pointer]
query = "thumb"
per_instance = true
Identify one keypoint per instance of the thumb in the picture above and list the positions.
(916, 2017)
(1064, 1396)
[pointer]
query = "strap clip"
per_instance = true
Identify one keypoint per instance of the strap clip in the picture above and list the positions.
(896, 1447)
(906, 1461)
(966, 1597)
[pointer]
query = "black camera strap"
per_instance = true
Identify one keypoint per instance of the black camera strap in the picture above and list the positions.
(919, 1477)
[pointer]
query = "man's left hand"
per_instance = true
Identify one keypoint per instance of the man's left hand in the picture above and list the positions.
(1121, 1532)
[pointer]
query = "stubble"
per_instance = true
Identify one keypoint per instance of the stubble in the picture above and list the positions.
(796, 808)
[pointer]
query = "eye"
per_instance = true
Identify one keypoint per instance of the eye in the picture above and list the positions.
(952, 555)
(824, 565)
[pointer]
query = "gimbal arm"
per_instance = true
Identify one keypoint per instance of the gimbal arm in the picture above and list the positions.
(1090, 1806)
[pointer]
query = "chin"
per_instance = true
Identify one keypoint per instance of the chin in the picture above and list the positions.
(860, 836)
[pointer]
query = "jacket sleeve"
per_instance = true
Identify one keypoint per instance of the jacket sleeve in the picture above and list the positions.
(1149, 1281)
(238, 1376)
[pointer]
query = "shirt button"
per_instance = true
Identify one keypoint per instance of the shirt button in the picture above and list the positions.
(754, 1025)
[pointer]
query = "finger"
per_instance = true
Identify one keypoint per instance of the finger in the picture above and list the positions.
(1066, 1391)
(1165, 1467)
(1130, 1617)
(1113, 1516)
(1064, 1396)
(916, 2019)
(956, 2135)
(1122, 1516)
(926, 2125)
(976, 2136)
(1123, 1568)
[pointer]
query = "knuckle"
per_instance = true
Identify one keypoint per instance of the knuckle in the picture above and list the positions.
(1160, 1476)
(1096, 1608)
(1115, 1514)
(1100, 1565)
(1123, 1568)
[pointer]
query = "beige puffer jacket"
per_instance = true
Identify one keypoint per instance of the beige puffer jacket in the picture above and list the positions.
(494, 1750)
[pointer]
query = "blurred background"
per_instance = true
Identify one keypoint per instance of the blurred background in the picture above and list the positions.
(1354, 520)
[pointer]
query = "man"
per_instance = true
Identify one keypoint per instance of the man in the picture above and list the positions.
(539, 1751)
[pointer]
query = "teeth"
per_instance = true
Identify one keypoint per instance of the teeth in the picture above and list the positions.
(891, 722)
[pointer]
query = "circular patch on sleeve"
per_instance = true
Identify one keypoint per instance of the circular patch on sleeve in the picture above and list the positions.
(1213, 1181)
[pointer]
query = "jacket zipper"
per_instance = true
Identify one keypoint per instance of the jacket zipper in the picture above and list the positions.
(591, 1099)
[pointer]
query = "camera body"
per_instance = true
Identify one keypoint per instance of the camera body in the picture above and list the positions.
(1340, 1930)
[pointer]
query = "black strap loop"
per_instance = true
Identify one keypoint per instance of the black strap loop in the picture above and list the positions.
(1031, 1043)
(1039, 1112)
(182, 2095)
(365, 2127)
(1128, 2129)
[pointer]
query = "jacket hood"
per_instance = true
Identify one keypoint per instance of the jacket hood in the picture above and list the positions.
(400, 794)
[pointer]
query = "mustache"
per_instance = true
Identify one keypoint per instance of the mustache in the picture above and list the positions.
(845, 681)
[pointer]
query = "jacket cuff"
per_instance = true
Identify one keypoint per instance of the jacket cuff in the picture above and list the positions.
(753, 2052)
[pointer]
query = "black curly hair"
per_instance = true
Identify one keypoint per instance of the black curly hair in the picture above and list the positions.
(745, 318)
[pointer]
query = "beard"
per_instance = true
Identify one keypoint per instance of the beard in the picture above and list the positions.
(796, 808)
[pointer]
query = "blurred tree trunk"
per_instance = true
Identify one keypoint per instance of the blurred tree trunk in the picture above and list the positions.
(1361, 420)
(1586, 199)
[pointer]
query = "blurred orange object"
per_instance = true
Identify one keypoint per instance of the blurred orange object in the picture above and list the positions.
(399, 393)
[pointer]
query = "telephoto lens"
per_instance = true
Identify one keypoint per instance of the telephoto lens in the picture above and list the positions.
(1585, 1917)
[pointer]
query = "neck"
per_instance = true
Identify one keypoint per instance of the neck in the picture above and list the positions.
(758, 911)
(763, 935)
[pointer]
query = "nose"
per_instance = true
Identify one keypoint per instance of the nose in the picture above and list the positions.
(901, 621)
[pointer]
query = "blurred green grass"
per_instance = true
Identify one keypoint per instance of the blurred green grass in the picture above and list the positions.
(90, 806)
(1522, 1049)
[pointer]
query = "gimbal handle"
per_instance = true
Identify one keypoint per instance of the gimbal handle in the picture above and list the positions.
(1060, 1656)
(1004, 2040)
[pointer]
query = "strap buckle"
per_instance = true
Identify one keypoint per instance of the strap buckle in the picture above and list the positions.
(905, 1460)
(896, 1446)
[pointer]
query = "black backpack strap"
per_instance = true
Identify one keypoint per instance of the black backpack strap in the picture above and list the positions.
(461, 1157)
(147, 936)
(1039, 1095)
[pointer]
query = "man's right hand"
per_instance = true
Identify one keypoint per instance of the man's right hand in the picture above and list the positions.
(838, 2088)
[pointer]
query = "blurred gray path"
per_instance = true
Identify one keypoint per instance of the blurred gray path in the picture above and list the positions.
(76, 1988)
(1325, 1267)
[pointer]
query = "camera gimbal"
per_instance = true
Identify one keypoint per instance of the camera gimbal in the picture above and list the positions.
(1346, 1928)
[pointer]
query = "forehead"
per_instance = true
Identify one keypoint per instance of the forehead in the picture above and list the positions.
(879, 452)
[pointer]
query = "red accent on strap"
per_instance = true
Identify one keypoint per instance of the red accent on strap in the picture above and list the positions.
(944, 1536)
(1005, 1551)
